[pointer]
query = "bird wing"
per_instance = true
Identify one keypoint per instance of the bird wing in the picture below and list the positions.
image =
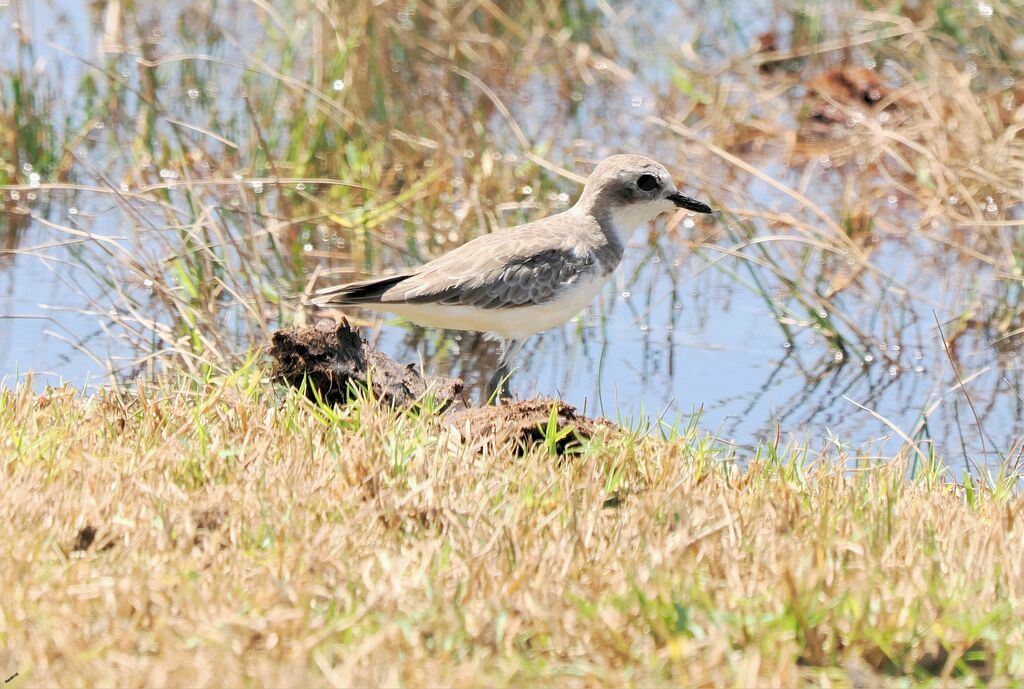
(495, 282)
(505, 269)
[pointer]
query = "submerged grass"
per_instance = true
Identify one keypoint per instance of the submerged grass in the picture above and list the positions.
(224, 532)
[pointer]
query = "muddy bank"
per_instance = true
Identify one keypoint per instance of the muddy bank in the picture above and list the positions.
(331, 359)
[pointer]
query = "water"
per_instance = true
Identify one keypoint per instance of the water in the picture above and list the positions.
(726, 317)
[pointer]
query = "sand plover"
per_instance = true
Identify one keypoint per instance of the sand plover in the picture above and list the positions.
(520, 281)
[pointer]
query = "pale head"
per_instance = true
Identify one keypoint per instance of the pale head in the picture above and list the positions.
(633, 189)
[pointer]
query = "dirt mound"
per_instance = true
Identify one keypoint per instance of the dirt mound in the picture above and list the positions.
(527, 422)
(331, 359)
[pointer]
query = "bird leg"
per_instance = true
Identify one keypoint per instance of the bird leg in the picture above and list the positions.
(497, 386)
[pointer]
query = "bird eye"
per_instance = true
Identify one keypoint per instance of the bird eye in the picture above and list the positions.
(647, 182)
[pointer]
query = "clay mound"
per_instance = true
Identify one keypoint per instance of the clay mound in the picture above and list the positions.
(527, 421)
(333, 359)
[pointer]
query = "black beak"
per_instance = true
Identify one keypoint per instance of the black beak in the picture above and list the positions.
(689, 204)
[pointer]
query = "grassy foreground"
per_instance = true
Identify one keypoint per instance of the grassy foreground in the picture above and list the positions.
(229, 533)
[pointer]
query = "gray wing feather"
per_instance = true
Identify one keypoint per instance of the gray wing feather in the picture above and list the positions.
(500, 270)
(534, 280)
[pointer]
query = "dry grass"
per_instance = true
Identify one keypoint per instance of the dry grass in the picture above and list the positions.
(221, 534)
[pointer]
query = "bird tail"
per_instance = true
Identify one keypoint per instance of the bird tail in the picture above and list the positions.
(364, 292)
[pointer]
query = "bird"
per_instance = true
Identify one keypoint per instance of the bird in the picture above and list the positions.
(514, 283)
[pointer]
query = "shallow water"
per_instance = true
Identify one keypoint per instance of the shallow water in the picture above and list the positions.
(683, 328)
